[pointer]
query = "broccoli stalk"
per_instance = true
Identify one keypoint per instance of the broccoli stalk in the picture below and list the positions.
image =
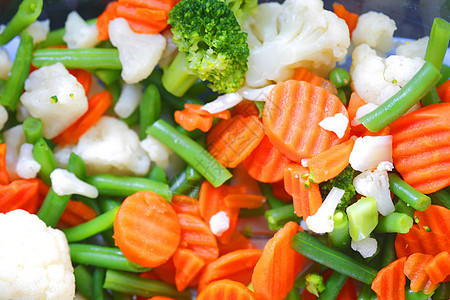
(314, 283)
(213, 48)
(242, 8)
(344, 181)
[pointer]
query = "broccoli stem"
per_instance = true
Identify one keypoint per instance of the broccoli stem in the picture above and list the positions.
(83, 281)
(362, 217)
(277, 217)
(340, 236)
(32, 128)
(177, 78)
(333, 286)
(407, 193)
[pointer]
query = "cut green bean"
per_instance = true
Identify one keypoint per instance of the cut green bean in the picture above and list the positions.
(407, 193)
(132, 119)
(192, 134)
(411, 295)
(77, 166)
(333, 286)
(442, 292)
(185, 181)
(389, 254)
(394, 222)
(431, 98)
(404, 208)
(403, 100)
(108, 76)
(32, 128)
(149, 109)
(28, 12)
(19, 73)
(366, 293)
(83, 281)
(44, 156)
(272, 201)
(441, 197)
(88, 58)
(332, 258)
(133, 284)
(340, 236)
(195, 191)
(124, 186)
(103, 257)
(438, 42)
(277, 217)
(190, 151)
(445, 71)
(52, 208)
(294, 294)
(98, 278)
(339, 77)
(157, 174)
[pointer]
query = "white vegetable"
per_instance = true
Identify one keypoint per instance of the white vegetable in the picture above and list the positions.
(79, 34)
(369, 151)
(138, 53)
(385, 166)
(297, 33)
(366, 247)
(111, 147)
(3, 116)
(375, 29)
(376, 185)
(337, 124)
(157, 151)
(170, 51)
(416, 48)
(219, 223)
(322, 220)
(222, 103)
(22, 113)
(5, 64)
(362, 111)
(14, 138)
(255, 94)
(39, 30)
(66, 183)
(55, 97)
(129, 100)
(34, 259)
(62, 155)
(27, 167)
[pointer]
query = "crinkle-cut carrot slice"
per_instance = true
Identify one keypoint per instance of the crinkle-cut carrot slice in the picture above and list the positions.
(435, 217)
(184, 204)
(438, 269)
(389, 284)
(238, 241)
(302, 74)
(4, 176)
(279, 192)
(415, 270)
(351, 19)
(187, 266)
(419, 240)
(245, 108)
(225, 290)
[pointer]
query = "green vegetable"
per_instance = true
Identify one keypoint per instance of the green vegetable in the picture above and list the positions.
(242, 8)
(185, 181)
(266, 190)
(394, 222)
(277, 217)
(402, 207)
(157, 174)
(32, 128)
(438, 42)
(108, 76)
(441, 197)
(97, 284)
(339, 77)
(366, 293)
(362, 217)
(149, 109)
(407, 193)
(344, 181)
(410, 295)
(44, 156)
(389, 254)
(83, 281)
(314, 283)
(340, 236)
(333, 286)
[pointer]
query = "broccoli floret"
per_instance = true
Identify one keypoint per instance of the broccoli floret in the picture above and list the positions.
(344, 181)
(314, 283)
(211, 40)
(242, 8)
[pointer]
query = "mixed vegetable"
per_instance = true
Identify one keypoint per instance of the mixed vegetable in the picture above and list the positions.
(215, 149)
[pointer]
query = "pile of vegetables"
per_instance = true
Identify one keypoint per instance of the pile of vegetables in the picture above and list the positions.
(146, 152)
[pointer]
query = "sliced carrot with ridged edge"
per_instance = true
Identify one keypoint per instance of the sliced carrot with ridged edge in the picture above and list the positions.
(351, 19)
(266, 163)
(187, 266)
(146, 229)
(389, 284)
(415, 270)
(229, 265)
(197, 236)
(291, 119)
(226, 289)
(238, 241)
(435, 217)
(231, 141)
(438, 269)
(244, 201)
(420, 147)
(275, 273)
(161, 298)
(245, 108)
(307, 200)
(302, 74)
(241, 176)
(4, 176)
(184, 204)
(76, 213)
(419, 240)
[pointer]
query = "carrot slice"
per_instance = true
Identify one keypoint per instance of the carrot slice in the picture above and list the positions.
(146, 229)
(246, 108)
(187, 266)
(241, 176)
(274, 274)
(166, 271)
(196, 236)
(184, 204)
(83, 77)
(153, 4)
(328, 164)
(266, 163)
(435, 217)
(438, 268)
(190, 120)
(98, 105)
(302, 74)
(307, 200)
(291, 119)
(350, 18)
(444, 91)
(76, 213)
(20, 194)
(420, 148)
(231, 141)
(419, 240)
(244, 201)
(279, 191)
(415, 270)
(197, 109)
(238, 241)
(4, 177)
(103, 20)
(226, 289)
(390, 281)
(230, 265)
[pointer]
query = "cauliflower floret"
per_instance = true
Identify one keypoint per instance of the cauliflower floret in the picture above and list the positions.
(129, 100)
(62, 155)
(157, 151)
(55, 97)
(14, 138)
(375, 29)
(376, 185)
(27, 167)
(3, 116)
(366, 247)
(111, 147)
(369, 151)
(337, 124)
(5, 64)
(416, 48)
(66, 183)
(79, 34)
(39, 30)
(34, 259)
(219, 223)
(138, 53)
(322, 221)
(297, 33)
(376, 79)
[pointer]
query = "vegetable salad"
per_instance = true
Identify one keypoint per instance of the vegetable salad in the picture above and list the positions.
(218, 149)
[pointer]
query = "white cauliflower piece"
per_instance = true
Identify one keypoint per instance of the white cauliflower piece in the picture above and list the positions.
(322, 221)
(54, 96)
(22, 113)
(337, 124)
(39, 30)
(157, 151)
(129, 100)
(14, 138)
(111, 147)
(27, 167)
(297, 33)
(369, 151)
(375, 29)
(3, 116)
(255, 94)
(416, 48)
(62, 155)
(385, 166)
(5, 64)
(219, 223)
(34, 259)
(170, 51)
(138, 53)
(366, 247)
(376, 79)
(376, 185)
(222, 103)
(362, 111)
(79, 34)
(66, 183)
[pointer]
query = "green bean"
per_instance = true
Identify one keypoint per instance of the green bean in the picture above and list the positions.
(108, 76)
(332, 258)
(407, 193)
(254, 212)
(442, 292)
(115, 89)
(441, 197)
(438, 42)
(394, 222)
(157, 173)
(402, 207)
(105, 206)
(133, 284)
(431, 98)
(195, 191)
(277, 217)
(44, 156)
(32, 128)
(190, 151)
(340, 236)
(133, 119)
(83, 281)
(445, 71)
(342, 96)
(192, 134)
(366, 293)
(403, 100)
(185, 181)
(149, 109)
(294, 294)
(98, 279)
(76, 166)
(28, 12)
(388, 252)
(339, 77)
(333, 286)
(52, 208)
(266, 190)
(411, 295)
(19, 73)
(103, 257)
(88, 58)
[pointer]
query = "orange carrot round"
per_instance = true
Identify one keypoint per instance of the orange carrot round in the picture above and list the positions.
(435, 217)
(302, 74)
(225, 290)
(238, 241)
(419, 240)
(187, 266)
(389, 284)
(415, 270)
(184, 204)
(146, 229)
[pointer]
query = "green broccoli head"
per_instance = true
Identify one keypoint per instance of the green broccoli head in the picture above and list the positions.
(216, 48)
(314, 283)
(242, 8)
(343, 181)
